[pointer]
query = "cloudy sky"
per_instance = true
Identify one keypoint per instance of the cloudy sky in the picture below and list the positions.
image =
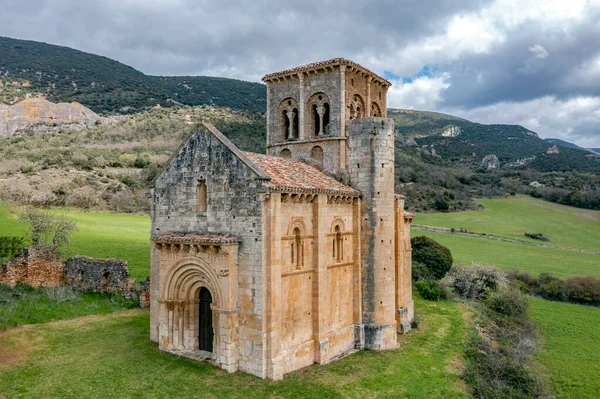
(534, 63)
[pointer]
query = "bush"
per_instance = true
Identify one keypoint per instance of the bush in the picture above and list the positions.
(420, 272)
(583, 289)
(508, 301)
(431, 290)
(436, 257)
(10, 246)
(48, 231)
(475, 282)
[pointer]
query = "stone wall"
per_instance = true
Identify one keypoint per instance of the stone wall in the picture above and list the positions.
(97, 275)
(33, 267)
(371, 170)
(234, 206)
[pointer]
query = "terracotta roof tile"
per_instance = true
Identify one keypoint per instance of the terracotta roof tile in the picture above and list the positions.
(323, 64)
(195, 238)
(295, 176)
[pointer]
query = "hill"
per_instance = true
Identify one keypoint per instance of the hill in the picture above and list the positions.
(462, 141)
(63, 74)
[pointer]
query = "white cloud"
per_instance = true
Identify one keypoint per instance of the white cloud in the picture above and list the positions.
(422, 93)
(539, 51)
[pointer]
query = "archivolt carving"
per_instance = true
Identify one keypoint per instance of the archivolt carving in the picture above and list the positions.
(187, 276)
(296, 223)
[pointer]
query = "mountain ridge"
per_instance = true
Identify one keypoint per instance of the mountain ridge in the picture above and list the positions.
(63, 74)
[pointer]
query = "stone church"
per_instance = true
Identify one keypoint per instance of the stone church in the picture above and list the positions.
(270, 263)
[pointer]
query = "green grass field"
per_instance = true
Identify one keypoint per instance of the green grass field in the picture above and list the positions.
(570, 350)
(565, 226)
(26, 305)
(111, 357)
(508, 256)
(570, 354)
(100, 235)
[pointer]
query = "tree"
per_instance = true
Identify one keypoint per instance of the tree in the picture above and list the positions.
(436, 257)
(47, 230)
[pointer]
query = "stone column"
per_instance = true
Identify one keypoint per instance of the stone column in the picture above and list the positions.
(343, 100)
(301, 133)
(268, 115)
(320, 300)
(290, 116)
(321, 113)
(273, 287)
(368, 104)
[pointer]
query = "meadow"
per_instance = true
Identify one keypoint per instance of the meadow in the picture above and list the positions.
(569, 359)
(109, 355)
(99, 235)
(565, 226)
(112, 357)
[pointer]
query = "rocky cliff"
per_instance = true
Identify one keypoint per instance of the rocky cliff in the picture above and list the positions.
(16, 118)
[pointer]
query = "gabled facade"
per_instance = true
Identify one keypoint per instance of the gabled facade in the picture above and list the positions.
(270, 263)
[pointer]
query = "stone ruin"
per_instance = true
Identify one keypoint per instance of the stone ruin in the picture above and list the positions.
(96, 275)
(39, 268)
(34, 267)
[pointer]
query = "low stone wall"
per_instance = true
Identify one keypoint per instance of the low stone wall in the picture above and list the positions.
(34, 267)
(38, 268)
(97, 275)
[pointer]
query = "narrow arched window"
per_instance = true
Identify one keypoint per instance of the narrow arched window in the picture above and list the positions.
(326, 118)
(285, 153)
(201, 204)
(295, 124)
(297, 249)
(285, 125)
(338, 245)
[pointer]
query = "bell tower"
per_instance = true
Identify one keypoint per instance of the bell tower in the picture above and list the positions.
(308, 106)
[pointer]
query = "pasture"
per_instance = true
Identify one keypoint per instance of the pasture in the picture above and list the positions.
(111, 357)
(99, 235)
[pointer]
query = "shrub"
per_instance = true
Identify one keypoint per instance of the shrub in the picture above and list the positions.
(436, 257)
(475, 282)
(583, 289)
(420, 272)
(508, 301)
(61, 293)
(10, 246)
(431, 290)
(550, 287)
(48, 231)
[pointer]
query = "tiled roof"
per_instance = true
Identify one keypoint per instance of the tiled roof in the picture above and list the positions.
(295, 176)
(195, 238)
(323, 64)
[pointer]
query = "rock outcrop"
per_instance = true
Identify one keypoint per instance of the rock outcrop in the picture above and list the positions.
(490, 162)
(451, 131)
(553, 150)
(36, 111)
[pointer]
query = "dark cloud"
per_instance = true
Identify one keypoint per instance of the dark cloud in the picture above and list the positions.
(532, 62)
(235, 38)
(490, 60)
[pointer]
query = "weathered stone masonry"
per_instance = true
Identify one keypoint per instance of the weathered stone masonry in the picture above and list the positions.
(270, 263)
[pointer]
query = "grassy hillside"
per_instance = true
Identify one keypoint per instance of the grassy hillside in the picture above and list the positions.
(570, 349)
(569, 357)
(572, 231)
(106, 86)
(110, 167)
(565, 226)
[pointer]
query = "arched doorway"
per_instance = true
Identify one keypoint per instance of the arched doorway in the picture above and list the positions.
(205, 325)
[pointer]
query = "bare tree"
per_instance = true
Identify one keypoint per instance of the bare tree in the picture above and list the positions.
(47, 230)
